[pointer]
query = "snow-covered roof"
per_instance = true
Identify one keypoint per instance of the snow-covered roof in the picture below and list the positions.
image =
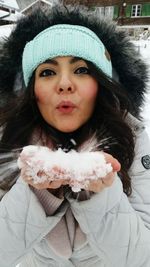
(9, 4)
(9, 10)
(4, 15)
(35, 2)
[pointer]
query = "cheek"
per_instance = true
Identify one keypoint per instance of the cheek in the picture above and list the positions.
(41, 95)
(91, 91)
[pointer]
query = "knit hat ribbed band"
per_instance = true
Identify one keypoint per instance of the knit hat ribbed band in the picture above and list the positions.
(65, 40)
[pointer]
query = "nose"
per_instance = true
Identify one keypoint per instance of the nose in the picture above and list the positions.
(65, 85)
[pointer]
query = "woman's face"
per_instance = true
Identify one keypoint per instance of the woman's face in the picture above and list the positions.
(65, 92)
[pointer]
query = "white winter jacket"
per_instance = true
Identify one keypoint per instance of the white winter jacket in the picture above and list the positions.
(117, 228)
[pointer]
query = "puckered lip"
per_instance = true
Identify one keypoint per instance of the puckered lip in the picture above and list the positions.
(65, 103)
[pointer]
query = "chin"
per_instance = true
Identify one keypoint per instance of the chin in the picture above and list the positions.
(67, 129)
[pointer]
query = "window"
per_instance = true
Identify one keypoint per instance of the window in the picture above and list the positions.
(136, 10)
(107, 11)
(100, 11)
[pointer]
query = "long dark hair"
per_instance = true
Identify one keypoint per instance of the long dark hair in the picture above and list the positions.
(20, 116)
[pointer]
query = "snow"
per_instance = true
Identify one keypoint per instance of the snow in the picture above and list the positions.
(41, 164)
(12, 17)
(9, 4)
(5, 30)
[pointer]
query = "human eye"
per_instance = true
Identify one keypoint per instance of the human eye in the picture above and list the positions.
(46, 72)
(82, 70)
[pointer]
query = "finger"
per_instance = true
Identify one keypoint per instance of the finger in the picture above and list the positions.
(114, 162)
(96, 186)
(116, 165)
(55, 184)
(39, 186)
(101, 183)
(65, 182)
(108, 180)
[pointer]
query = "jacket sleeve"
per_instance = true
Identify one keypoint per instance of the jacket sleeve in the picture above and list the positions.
(140, 176)
(118, 228)
(23, 223)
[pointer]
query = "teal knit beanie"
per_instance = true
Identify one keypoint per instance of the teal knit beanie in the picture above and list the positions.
(65, 40)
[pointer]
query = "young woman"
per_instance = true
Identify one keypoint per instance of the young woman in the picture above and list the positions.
(73, 81)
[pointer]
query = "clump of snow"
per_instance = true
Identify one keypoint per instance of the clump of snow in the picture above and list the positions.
(41, 164)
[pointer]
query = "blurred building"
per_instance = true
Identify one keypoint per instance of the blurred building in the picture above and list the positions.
(131, 15)
(9, 11)
(129, 12)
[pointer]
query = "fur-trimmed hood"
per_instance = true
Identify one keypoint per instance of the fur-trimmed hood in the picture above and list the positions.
(130, 70)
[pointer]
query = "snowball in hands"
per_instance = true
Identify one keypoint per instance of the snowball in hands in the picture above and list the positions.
(41, 164)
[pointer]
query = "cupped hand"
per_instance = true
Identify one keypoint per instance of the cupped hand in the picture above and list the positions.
(57, 183)
(95, 185)
(98, 185)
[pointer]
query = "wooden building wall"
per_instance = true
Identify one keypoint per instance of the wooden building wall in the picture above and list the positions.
(122, 13)
(104, 2)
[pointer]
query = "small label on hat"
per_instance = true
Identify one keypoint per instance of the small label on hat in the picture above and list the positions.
(107, 55)
(146, 161)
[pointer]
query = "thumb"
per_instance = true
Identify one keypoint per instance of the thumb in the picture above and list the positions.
(114, 162)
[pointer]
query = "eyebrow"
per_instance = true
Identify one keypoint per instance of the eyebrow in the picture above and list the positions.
(75, 59)
(72, 61)
(51, 61)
